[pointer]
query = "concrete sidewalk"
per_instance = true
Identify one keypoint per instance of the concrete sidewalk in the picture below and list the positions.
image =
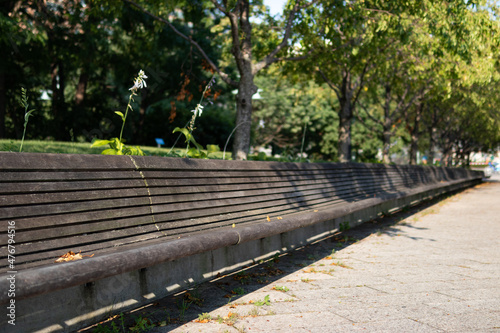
(430, 270)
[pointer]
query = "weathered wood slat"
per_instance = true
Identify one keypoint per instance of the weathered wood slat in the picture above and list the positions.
(55, 248)
(67, 186)
(53, 221)
(30, 199)
(56, 176)
(76, 207)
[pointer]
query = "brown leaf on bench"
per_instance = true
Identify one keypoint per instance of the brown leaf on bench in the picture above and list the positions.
(72, 256)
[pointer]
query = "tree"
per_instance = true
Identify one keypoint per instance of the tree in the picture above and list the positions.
(351, 39)
(294, 115)
(388, 98)
(239, 14)
(348, 41)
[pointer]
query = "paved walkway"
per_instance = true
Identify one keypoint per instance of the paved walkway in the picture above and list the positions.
(433, 270)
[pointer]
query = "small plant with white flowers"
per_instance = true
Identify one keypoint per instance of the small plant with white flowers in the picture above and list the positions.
(116, 144)
(196, 151)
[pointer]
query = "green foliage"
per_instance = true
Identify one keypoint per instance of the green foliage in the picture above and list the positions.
(141, 325)
(204, 316)
(438, 59)
(196, 151)
(289, 113)
(239, 291)
(344, 226)
(116, 144)
(265, 301)
(281, 288)
(189, 137)
(117, 148)
(183, 306)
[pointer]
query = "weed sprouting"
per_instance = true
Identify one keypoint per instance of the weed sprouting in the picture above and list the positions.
(141, 325)
(231, 318)
(241, 329)
(340, 264)
(183, 306)
(254, 312)
(27, 114)
(196, 151)
(116, 144)
(281, 288)
(204, 317)
(194, 297)
(265, 301)
(238, 291)
(344, 226)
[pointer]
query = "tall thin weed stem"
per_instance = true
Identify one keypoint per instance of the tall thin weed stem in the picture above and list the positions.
(27, 114)
(187, 131)
(229, 137)
(303, 140)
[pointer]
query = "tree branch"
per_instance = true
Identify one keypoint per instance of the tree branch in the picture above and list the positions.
(375, 120)
(220, 7)
(329, 82)
(298, 58)
(223, 75)
(271, 57)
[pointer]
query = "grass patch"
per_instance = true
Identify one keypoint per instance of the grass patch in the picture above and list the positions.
(60, 147)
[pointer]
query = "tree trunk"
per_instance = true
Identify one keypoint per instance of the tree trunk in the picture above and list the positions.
(413, 149)
(246, 90)
(432, 132)
(242, 51)
(387, 126)
(345, 119)
(415, 134)
(59, 102)
(386, 156)
(81, 89)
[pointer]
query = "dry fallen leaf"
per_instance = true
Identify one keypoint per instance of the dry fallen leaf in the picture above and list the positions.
(203, 321)
(268, 218)
(72, 256)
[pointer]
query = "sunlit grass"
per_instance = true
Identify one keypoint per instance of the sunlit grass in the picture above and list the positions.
(59, 147)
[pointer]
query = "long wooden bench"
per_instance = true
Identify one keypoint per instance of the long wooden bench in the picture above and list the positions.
(130, 213)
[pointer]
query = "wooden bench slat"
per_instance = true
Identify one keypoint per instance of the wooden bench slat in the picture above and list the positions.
(89, 196)
(75, 207)
(42, 176)
(51, 221)
(66, 186)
